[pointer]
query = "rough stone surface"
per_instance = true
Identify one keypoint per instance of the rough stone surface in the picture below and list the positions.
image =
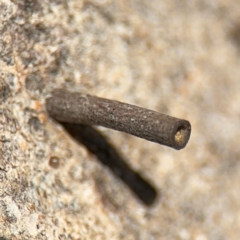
(177, 57)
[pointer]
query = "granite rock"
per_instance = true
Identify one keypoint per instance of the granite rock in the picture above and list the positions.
(181, 58)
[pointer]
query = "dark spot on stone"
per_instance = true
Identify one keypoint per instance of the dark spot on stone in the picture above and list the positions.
(38, 32)
(28, 6)
(5, 12)
(60, 60)
(235, 35)
(6, 41)
(4, 91)
(40, 154)
(44, 194)
(34, 83)
(3, 238)
(54, 162)
(10, 79)
(35, 124)
(10, 217)
(36, 128)
(2, 175)
(6, 53)
(7, 122)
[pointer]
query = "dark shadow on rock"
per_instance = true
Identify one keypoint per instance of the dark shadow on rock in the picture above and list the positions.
(235, 35)
(97, 144)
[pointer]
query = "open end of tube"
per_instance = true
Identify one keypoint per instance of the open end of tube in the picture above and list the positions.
(182, 135)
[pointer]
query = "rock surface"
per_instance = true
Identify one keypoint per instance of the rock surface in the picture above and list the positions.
(181, 58)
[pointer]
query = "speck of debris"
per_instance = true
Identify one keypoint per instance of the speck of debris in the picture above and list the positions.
(54, 162)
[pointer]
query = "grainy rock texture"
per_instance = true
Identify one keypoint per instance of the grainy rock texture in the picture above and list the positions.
(181, 58)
